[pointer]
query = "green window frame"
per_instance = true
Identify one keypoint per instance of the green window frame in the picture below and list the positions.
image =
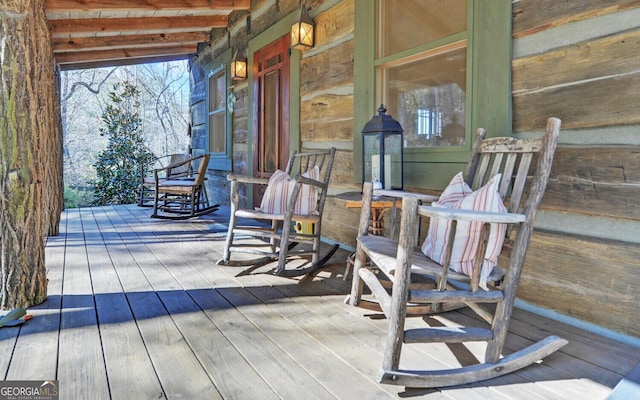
(488, 84)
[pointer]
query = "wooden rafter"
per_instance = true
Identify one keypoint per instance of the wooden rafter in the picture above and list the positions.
(61, 45)
(88, 26)
(117, 54)
(98, 5)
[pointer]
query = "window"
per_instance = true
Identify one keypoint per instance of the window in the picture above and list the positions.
(218, 120)
(421, 69)
(217, 108)
(442, 68)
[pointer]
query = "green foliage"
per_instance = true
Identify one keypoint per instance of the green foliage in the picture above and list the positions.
(75, 197)
(118, 166)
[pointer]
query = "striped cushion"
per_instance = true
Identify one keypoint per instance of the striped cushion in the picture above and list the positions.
(280, 188)
(467, 235)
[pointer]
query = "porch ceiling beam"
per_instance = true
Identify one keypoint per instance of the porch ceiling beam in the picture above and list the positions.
(123, 61)
(133, 54)
(90, 26)
(98, 5)
(68, 44)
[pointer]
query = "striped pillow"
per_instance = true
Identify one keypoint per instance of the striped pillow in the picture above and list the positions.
(468, 233)
(455, 191)
(280, 188)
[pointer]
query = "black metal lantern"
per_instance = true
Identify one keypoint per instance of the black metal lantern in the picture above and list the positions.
(382, 157)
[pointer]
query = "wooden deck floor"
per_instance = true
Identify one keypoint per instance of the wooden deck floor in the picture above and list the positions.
(137, 309)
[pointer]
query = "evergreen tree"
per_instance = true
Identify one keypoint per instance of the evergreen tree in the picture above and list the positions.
(118, 166)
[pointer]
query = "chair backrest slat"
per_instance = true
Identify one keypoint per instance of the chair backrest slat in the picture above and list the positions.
(481, 172)
(520, 181)
(507, 174)
(496, 167)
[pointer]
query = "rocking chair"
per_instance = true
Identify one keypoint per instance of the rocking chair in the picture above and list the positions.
(403, 263)
(183, 196)
(289, 216)
(173, 166)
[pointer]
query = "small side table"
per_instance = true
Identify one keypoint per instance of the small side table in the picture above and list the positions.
(378, 206)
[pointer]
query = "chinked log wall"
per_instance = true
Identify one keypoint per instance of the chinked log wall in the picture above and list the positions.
(580, 61)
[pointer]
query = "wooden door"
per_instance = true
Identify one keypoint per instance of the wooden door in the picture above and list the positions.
(271, 109)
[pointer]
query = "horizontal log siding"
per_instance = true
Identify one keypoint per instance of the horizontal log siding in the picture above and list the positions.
(531, 16)
(326, 91)
(596, 180)
(592, 83)
(585, 278)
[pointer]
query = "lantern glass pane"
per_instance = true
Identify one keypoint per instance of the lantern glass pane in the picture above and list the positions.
(371, 163)
(393, 161)
(306, 34)
(295, 34)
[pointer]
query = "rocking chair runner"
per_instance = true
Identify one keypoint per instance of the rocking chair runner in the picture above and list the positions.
(400, 261)
(288, 205)
(184, 196)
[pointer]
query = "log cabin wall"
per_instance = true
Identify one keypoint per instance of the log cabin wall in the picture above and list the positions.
(574, 60)
(580, 61)
(326, 87)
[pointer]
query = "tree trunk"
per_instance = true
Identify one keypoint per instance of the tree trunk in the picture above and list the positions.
(30, 176)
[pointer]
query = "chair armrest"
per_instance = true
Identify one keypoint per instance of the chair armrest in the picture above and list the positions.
(247, 179)
(424, 198)
(469, 215)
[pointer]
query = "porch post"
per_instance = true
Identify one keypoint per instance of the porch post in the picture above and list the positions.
(30, 151)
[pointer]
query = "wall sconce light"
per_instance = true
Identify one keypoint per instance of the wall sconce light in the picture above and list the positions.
(302, 31)
(382, 158)
(238, 68)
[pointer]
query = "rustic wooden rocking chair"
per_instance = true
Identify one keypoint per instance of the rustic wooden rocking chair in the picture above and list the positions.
(288, 204)
(183, 196)
(171, 165)
(400, 262)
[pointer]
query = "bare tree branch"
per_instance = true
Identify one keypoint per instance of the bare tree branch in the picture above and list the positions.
(88, 86)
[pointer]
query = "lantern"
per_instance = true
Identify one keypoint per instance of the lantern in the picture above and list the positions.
(382, 157)
(238, 68)
(302, 32)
